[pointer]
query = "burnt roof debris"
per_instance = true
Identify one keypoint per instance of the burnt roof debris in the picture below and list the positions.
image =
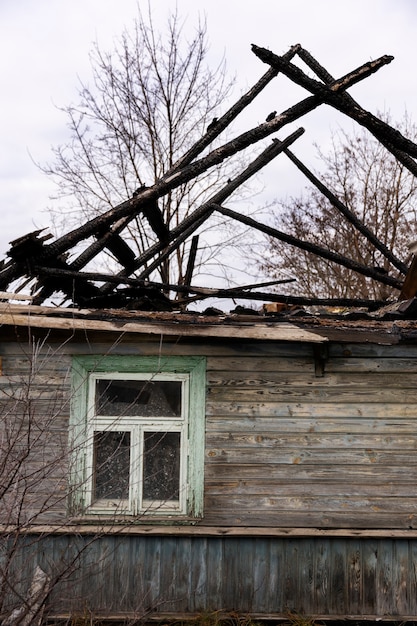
(43, 265)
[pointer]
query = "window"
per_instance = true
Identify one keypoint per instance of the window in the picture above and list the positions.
(137, 436)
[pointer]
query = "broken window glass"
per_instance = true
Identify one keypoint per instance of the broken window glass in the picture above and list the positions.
(159, 398)
(111, 465)
(161, 466)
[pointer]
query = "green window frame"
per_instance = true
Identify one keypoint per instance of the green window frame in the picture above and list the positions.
(136, 440)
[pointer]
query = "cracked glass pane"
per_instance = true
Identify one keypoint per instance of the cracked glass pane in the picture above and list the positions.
(111, 465)
(161, 466)
(159, 398)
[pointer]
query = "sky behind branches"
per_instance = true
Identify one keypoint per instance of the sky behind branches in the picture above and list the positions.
(44, 53)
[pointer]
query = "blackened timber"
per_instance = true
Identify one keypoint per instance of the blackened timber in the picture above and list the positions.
(99, 244)
(313, 64)
(244, 292)
(330, 93)
(301, 301)
(120, 250)
(312, 248)
(347, 213)
(182, 236)
(27, 246)
(106, 239)
(300, 78)
(76, 289)
(11, 272)
(153, 214)
(327, 78)
(201, 292)
(29, 251)
(191, 263)
(230, 115)
(200, 215)
(132, 206)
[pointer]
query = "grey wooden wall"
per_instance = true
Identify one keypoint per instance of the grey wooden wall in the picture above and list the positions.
(284, 447)
(288, 448)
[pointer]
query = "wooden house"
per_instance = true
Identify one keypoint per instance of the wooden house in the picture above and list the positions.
(157, 463)
(258, 465)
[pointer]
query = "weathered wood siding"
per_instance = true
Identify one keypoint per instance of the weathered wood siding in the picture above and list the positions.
(284, 447)
(265, 576)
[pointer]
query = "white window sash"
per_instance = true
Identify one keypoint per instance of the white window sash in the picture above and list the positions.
(137, 426)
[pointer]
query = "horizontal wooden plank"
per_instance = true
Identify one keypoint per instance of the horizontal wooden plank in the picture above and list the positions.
(372, 441)
(216, 516)
(376, 364)
(97, 343)
(310, 408)
(309, 456)
(261, 380)
(320, 393)
(295, 362)
(42, 363)
(303, 502)
(235, 329)
(35, 392)
(255, 486)
(371, 350)
(296, 473)
(395, 424)
(201, 530)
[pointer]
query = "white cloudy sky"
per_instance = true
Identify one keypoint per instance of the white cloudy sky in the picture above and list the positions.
(44, 46)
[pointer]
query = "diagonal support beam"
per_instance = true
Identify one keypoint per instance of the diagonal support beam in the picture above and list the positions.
(311, 247)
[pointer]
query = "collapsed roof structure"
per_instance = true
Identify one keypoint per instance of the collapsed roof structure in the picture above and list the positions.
(41, 263)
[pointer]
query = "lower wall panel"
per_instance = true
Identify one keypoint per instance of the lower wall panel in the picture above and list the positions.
(138, 575)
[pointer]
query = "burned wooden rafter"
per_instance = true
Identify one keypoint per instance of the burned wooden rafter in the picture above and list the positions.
(21, 252)
(186, 282)
(47, 284)
(101, 242)
(29, 251)
(140, 287)
(323, 74)
(312, 248)
(47, 263)
(409, 288)
(29, 245)
(136, 289)
(347, 213)
(130, 208)
(332, 94)
(191, 223)
(178, 177)
(228, 117)
(119, 249)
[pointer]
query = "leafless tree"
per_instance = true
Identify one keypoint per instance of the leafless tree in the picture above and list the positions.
(46, 564)
(33, 480)
(380, 193)
(151, 99)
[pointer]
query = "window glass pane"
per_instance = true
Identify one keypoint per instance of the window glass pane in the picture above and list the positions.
(111, 465)
(161, 466)
(138, 397)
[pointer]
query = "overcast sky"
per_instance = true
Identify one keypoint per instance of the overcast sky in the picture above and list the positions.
(44, 48)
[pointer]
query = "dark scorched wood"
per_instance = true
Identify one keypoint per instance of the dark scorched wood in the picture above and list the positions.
(46, 264)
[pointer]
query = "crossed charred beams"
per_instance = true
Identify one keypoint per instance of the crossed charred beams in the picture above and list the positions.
(46, 268)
